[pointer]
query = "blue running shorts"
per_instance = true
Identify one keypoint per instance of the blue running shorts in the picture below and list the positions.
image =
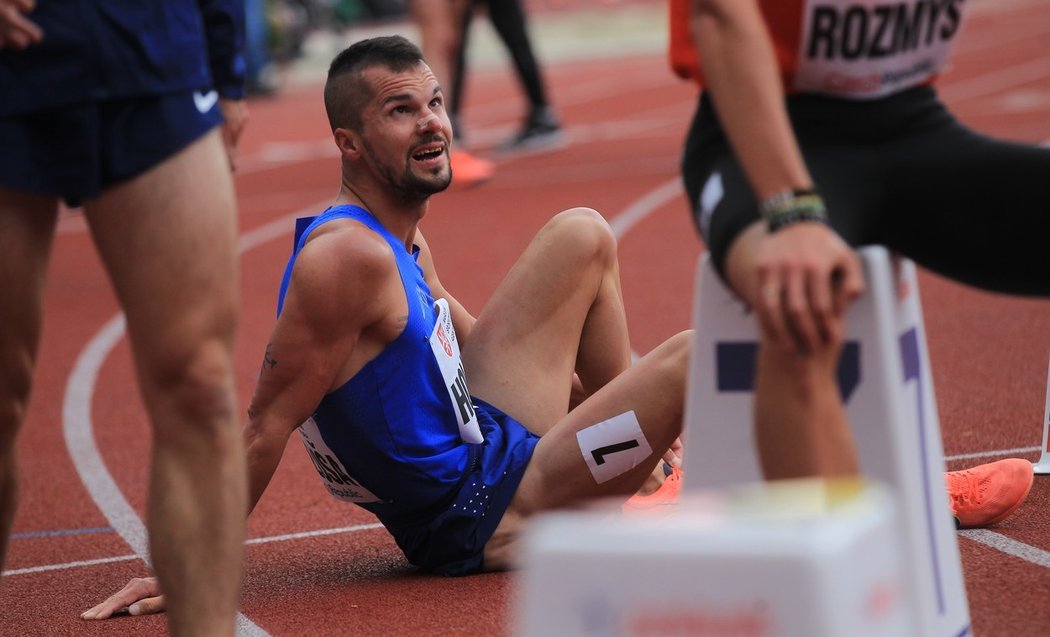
(452, 542)
(76, 151)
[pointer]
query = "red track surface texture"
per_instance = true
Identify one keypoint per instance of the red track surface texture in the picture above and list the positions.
(319, 567)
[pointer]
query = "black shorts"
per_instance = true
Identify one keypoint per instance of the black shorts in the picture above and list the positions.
(900, 172)
(76, 151)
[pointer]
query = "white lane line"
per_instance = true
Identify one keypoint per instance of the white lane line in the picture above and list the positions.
(68, 565)
(318, 533)
(127, 558)
(995, 82)
(645, 205)
(1000, 7)
(80, 439)
(1017, 451)
(1010, 546)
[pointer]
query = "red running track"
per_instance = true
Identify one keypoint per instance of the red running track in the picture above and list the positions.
(318, 567)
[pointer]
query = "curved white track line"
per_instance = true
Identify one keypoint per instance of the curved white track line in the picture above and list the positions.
(645, 205)
(80, 439)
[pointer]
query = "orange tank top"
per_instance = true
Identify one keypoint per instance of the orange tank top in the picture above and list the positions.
(858, 49)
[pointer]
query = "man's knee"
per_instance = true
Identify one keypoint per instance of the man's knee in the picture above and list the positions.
(16, 377)
(674, 354)
(196, 383)
(587, 232)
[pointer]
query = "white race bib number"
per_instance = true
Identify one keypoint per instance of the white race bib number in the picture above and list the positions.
(333, 474)
(613, 447)
(446, 351)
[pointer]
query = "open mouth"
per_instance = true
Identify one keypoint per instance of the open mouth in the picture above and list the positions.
(429, 154)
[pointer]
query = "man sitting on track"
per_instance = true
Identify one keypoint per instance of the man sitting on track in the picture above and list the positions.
(895, 168)
(371, 357)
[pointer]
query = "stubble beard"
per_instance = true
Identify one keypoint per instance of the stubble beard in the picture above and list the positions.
(409, 186)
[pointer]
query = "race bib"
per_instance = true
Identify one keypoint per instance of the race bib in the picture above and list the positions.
(865, 49)
(446, 352)
(333, 474)
(613, 447)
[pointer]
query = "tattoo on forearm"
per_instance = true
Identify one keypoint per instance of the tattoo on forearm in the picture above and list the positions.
(269, 362)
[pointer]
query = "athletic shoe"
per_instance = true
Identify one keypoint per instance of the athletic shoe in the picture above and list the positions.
(987, 494)
(542, 131)
(468, 170)
(665, 496)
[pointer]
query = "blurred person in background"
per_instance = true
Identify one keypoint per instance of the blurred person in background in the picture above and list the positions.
(439, 32)
(541, 129)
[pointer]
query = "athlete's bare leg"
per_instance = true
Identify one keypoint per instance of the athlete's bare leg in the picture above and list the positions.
(439, 34)
(168, 238)
(27, 224)
(800, 421)
(558, 310)
(558, 475)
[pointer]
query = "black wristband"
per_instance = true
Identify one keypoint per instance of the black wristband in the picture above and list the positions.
(791, 207)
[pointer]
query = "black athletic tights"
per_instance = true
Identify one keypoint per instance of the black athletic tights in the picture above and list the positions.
(900, 172)
(508, 18)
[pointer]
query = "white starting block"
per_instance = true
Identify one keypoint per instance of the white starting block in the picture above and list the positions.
(788, 561)
(1042, 466)
(884, 376)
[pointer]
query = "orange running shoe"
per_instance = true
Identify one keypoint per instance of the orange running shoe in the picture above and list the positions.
(665, 496)
(468, 170)
(987, 494)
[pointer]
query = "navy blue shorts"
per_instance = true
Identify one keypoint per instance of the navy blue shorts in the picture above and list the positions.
(76, 151)
(453, 541)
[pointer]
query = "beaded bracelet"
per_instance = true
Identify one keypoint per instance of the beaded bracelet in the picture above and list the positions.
(793, 206)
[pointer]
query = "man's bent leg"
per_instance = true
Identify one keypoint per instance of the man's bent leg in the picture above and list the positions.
(559, 310)
(27, 224)
(800, 424)
(438, 30)
(801, 428)
(168, 240)
(649, 396)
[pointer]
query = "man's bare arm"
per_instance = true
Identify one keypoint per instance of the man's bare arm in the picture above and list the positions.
(336, 293)
(799, 279)
(741, 76)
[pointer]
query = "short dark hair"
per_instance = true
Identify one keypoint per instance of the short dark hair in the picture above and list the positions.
(345, 95)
